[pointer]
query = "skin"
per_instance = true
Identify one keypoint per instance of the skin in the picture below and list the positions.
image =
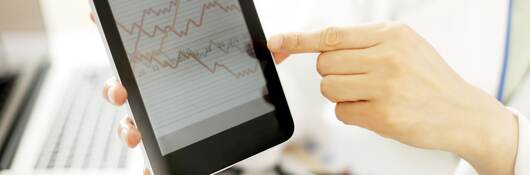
(388, 79)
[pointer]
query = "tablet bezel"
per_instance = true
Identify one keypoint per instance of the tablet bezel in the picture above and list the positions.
(223, 149)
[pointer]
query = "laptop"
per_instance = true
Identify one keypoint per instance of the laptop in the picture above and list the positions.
(53, 119)
(72, 131)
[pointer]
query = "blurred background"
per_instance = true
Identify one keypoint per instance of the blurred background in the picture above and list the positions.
(53, 65)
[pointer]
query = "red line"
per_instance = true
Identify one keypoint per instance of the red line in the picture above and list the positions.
(216, 65)
(173, 6)
(183, 56)
(136, 58)
(172, 29)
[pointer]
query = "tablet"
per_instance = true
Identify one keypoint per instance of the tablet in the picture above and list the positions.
(202, 85)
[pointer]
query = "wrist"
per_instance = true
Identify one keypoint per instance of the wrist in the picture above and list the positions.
(491, 145)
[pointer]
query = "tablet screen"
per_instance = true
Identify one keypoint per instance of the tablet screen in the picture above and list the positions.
(194, 65)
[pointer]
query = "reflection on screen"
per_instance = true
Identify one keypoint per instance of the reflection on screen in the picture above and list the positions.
(191, 62)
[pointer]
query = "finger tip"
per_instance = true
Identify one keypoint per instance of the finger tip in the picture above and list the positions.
(131, 145)
(117, 94)
(147, 172)
(93, 16)
(111, 95)
(128, 133)
(120, 96)
(275, 43)
(133, 138)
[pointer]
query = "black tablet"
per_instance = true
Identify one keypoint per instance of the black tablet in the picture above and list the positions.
(202, 85)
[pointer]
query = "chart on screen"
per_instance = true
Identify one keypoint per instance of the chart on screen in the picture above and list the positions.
(191, 58)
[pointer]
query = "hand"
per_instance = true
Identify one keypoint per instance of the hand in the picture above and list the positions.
(115, 93)
(388, 79)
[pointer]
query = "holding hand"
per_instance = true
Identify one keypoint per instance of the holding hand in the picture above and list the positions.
(388, 79)
(115, 93)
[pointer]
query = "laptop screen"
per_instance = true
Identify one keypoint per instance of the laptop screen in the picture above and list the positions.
(23, 41)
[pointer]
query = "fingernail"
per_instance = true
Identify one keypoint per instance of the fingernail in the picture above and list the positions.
(109, 85)
(93, 16)
(110, 94)
(133, 138)
(123, 134)
(276, 42)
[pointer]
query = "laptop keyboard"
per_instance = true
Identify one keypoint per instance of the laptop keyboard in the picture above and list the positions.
(83, 135)
(6, 84)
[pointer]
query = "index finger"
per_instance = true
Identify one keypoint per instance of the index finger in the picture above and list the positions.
(330, 39)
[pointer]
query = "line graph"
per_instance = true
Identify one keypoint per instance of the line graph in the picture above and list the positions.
(213, 69)
(162, 59)
(193, 60)
(139, 29)
(140, 32)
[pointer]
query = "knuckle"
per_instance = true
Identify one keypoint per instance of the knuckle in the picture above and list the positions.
(394, 65)
(390, 88)
(385, 123)
(394, 71)
(385, 89)
(321, 63)
(388, 57)
(292, 40)
(395, 124)
(392, 61)
(340, 112)
(398, 29)
(391, 54)
(400, 25)
(328, 89)
(330, 37)
(325, 88)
